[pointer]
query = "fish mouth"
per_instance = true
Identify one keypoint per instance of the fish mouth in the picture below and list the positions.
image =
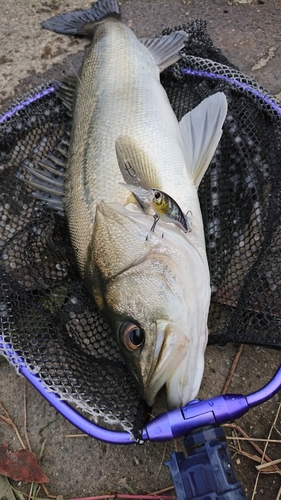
(171, 350)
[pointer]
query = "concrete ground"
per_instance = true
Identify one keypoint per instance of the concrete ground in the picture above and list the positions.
(249, 34)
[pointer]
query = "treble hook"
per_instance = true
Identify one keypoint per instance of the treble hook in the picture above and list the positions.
(156, 219)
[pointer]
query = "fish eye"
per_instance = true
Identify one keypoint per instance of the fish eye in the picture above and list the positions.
(157, 195)
(133, 336)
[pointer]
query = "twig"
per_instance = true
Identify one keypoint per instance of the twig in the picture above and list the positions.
(76, 435)
(232, 369)
(278, 432)
(30, 492)
(278, 494)
(159, 492)
(255, 458)
(234, 438)
(162, 460)
(259, 450)
(268, 464)
(8, 421)
(264, 455)
(46, 491)
(25, 415)
(262, 440)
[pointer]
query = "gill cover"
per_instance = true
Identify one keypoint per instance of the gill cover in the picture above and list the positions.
(160, 285)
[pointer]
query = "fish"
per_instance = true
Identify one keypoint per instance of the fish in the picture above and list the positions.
(164, 206)
(153, 292)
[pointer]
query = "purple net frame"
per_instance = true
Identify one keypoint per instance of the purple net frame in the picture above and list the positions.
(175, 423)
(11, 112)
(257, 91)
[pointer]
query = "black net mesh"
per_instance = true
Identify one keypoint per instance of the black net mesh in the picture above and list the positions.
(46, 314)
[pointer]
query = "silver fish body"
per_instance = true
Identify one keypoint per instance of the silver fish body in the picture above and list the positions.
(155, 291)
(118, 94)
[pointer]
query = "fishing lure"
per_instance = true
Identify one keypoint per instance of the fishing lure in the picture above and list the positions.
(164, 206)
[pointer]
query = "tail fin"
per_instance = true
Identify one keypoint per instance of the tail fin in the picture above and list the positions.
(81, 22)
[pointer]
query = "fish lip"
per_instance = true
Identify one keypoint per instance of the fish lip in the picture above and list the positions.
(170, 350)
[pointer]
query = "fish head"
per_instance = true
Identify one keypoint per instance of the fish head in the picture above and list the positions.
(154, 291)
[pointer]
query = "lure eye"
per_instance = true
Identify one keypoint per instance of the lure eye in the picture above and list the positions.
(157, 197)
(133, 336)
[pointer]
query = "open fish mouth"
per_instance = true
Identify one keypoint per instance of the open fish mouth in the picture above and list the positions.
(170, 352)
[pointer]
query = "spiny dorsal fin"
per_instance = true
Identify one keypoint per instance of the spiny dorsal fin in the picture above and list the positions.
(46, 177)
(201, 130)
(66, 91)
(165, 49)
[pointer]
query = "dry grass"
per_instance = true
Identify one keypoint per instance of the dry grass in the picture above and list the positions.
(262, 453)
(266, 465)
(239, 438)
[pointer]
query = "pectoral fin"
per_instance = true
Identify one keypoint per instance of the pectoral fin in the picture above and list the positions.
(201, 130)
(134, 163)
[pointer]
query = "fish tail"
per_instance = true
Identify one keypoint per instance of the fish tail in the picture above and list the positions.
(83, 22)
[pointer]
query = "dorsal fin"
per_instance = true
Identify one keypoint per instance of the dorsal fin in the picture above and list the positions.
(165, 49)
(66, 91)
(46, 177)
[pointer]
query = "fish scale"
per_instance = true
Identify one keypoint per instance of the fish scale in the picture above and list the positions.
(157, 286)
(134, 109)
